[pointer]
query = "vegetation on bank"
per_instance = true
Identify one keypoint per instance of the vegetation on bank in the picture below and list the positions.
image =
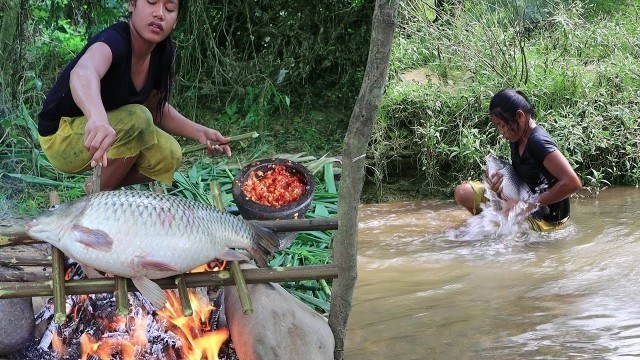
(291, 72)
(576, 60)
(288, 71)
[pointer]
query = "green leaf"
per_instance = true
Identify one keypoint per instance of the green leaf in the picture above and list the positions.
(329, 179)
(321, 210)
(44, 181)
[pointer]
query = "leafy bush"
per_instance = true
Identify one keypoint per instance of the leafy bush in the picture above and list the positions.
(577, 64)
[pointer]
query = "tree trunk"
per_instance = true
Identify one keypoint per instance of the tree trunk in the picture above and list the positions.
(10, 59)
(10, 11)
(345, 245)
(8, 25)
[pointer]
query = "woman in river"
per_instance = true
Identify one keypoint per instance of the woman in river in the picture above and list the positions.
(536, 159)
(109, 105)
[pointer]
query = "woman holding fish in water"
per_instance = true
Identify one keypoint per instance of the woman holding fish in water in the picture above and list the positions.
(536, 160)
(109, 105)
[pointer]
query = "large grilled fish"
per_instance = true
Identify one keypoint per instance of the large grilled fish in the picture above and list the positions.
(513, 187)
(143, 235)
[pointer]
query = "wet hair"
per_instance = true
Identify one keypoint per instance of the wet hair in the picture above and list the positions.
(505, 104)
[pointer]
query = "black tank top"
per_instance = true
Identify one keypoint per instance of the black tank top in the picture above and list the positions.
(116, 86)
(530, 168)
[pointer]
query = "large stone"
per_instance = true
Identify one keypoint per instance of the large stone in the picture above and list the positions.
(280, 327)
(17, 324)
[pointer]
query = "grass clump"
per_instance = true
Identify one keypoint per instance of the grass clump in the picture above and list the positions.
(575, 60)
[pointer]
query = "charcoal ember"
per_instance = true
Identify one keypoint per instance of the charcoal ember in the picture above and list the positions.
(96, 316)
(32, 352)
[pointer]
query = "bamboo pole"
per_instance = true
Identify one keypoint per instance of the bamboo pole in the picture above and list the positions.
(241, 284)
(16, 237)
(181, 285)
(24, 276)
(192, 280)
(246, 136)
(121, 295)
(57, 263)
(22, 260)
(58, 283)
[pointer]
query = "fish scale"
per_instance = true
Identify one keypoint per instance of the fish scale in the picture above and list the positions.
(145, 235)
(513, 187)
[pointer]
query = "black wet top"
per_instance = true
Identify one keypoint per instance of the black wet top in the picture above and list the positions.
(116, 86)
(530, 168)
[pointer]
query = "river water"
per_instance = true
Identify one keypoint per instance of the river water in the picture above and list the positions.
(436, 283)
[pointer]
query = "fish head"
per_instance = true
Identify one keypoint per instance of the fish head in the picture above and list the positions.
(50, 224)
(494, 164)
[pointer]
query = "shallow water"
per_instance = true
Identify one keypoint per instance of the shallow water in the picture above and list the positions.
(436, 284)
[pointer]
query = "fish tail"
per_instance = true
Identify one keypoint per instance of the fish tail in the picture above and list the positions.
(267, 243)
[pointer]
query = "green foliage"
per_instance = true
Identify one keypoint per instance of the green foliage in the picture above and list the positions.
(309, 248)
(577, 63)
(266, 65)
(310, 50)
(258, 105)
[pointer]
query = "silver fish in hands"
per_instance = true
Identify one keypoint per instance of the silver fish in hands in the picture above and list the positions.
(143, 235)
(512, 187)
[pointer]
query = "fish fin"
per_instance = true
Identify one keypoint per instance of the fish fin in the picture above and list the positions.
(231, 255)
(267, 244)
(90, 272)
(142, 262)
(151, 291)
(93, 238)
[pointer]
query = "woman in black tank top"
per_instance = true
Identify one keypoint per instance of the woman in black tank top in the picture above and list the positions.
(535, 157)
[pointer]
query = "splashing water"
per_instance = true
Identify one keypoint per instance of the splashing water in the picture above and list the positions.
(495, 223)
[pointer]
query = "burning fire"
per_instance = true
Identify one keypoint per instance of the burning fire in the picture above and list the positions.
(196, 339)
(129, 337)
(212, 266)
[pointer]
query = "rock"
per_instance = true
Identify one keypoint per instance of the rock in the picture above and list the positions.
(17, 326)
(280, 327)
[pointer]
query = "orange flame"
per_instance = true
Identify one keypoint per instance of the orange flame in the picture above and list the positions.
(57, 345)
(198, 341)
(67, 274)
(211, 266)
(128, 346)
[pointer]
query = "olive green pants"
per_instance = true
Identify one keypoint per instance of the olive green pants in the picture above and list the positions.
(159, 154)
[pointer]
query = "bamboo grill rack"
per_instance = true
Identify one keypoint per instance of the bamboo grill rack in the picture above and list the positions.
(59, 287)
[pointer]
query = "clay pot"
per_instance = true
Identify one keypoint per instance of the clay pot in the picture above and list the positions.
(252, 210)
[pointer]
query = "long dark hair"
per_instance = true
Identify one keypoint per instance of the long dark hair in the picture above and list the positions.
(505, 104)
(167, 49)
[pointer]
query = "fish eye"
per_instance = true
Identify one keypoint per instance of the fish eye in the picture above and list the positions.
(54, 207)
